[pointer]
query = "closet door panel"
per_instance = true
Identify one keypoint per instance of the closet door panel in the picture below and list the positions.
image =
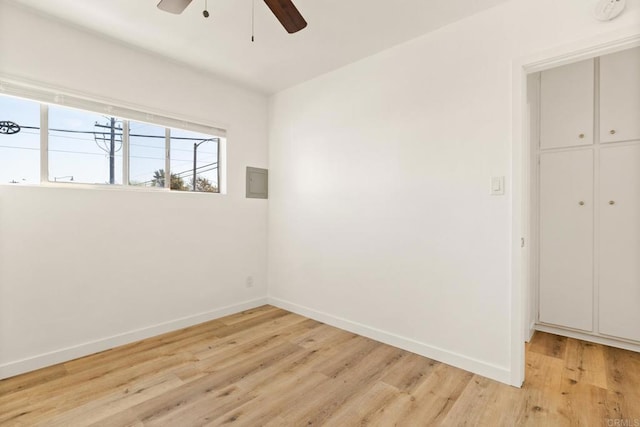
(566, 105)
(619, 281)
(620, 96)
(566, 239)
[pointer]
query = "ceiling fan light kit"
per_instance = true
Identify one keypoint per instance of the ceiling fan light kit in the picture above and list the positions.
(284, 10)
(173, 6)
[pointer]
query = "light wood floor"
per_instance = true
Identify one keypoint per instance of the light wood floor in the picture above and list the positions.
(268, 367)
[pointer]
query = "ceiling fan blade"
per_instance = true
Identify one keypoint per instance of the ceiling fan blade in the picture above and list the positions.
(173, 6)
(287, 14)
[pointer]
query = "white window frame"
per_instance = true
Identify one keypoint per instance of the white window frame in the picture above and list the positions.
(50, 96)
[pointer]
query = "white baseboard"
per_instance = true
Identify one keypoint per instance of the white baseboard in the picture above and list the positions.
(65, 354)
(479, 367)
(532, 330)
(598, 339)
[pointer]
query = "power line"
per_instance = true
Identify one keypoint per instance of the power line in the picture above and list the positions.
(143, 174)
(84, 152)
(185, 138)
(199, 167)
(20, 148)
(207, 170)
(130, 143)
(188, 171)
(91, 154)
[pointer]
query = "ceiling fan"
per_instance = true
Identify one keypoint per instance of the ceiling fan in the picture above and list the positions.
(284, 10)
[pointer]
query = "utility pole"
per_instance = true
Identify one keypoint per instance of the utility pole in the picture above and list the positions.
(112, 153)
(111, 139)
(195, 160)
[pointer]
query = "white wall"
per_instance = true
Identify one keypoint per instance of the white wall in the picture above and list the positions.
(83, 270)
(380, 217)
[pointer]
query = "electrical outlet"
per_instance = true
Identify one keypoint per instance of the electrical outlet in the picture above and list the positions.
(249, 282)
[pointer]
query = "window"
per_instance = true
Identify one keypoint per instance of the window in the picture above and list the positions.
(194, 162)
(19, 141)
(84, 147)
(76, 145)
(147, 147)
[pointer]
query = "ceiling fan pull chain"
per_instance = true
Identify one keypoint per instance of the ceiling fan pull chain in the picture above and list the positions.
(253, 20)
(205, 12)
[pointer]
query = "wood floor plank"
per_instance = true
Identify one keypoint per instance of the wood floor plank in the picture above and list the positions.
(75, 390)
(430, 402)
(623, 373)
(248, 314)
(275, 330)
(204, 409)
(361, 409)
(270, 400)
(544, 385)
(409, 374)
(357, 373)
(582, 402)
(323, 335)
(173, 400)
(358, 348)
(249, 323)
(32, 379)
(227, 357)
(549, 345)
(584, 363)
(113, 403)
(273, 379)
(501, 409)
(471, 404)
(269, 367)
(163, 344)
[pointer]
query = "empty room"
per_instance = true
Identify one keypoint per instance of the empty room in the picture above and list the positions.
(320, 212)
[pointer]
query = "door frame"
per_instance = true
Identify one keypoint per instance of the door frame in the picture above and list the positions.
(521, 175)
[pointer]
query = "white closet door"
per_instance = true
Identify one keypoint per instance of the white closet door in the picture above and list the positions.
(566, 239)
(566, 105)
(620, 242)
(620, 96)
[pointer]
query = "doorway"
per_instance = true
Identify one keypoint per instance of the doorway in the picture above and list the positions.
(524, 271)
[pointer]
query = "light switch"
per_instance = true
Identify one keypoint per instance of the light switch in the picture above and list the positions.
(497, 185)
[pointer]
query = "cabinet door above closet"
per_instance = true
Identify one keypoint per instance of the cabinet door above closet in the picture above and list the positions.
(620, 96)
(566, 113)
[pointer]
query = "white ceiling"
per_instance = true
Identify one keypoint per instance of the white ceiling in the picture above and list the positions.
(339, 32)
